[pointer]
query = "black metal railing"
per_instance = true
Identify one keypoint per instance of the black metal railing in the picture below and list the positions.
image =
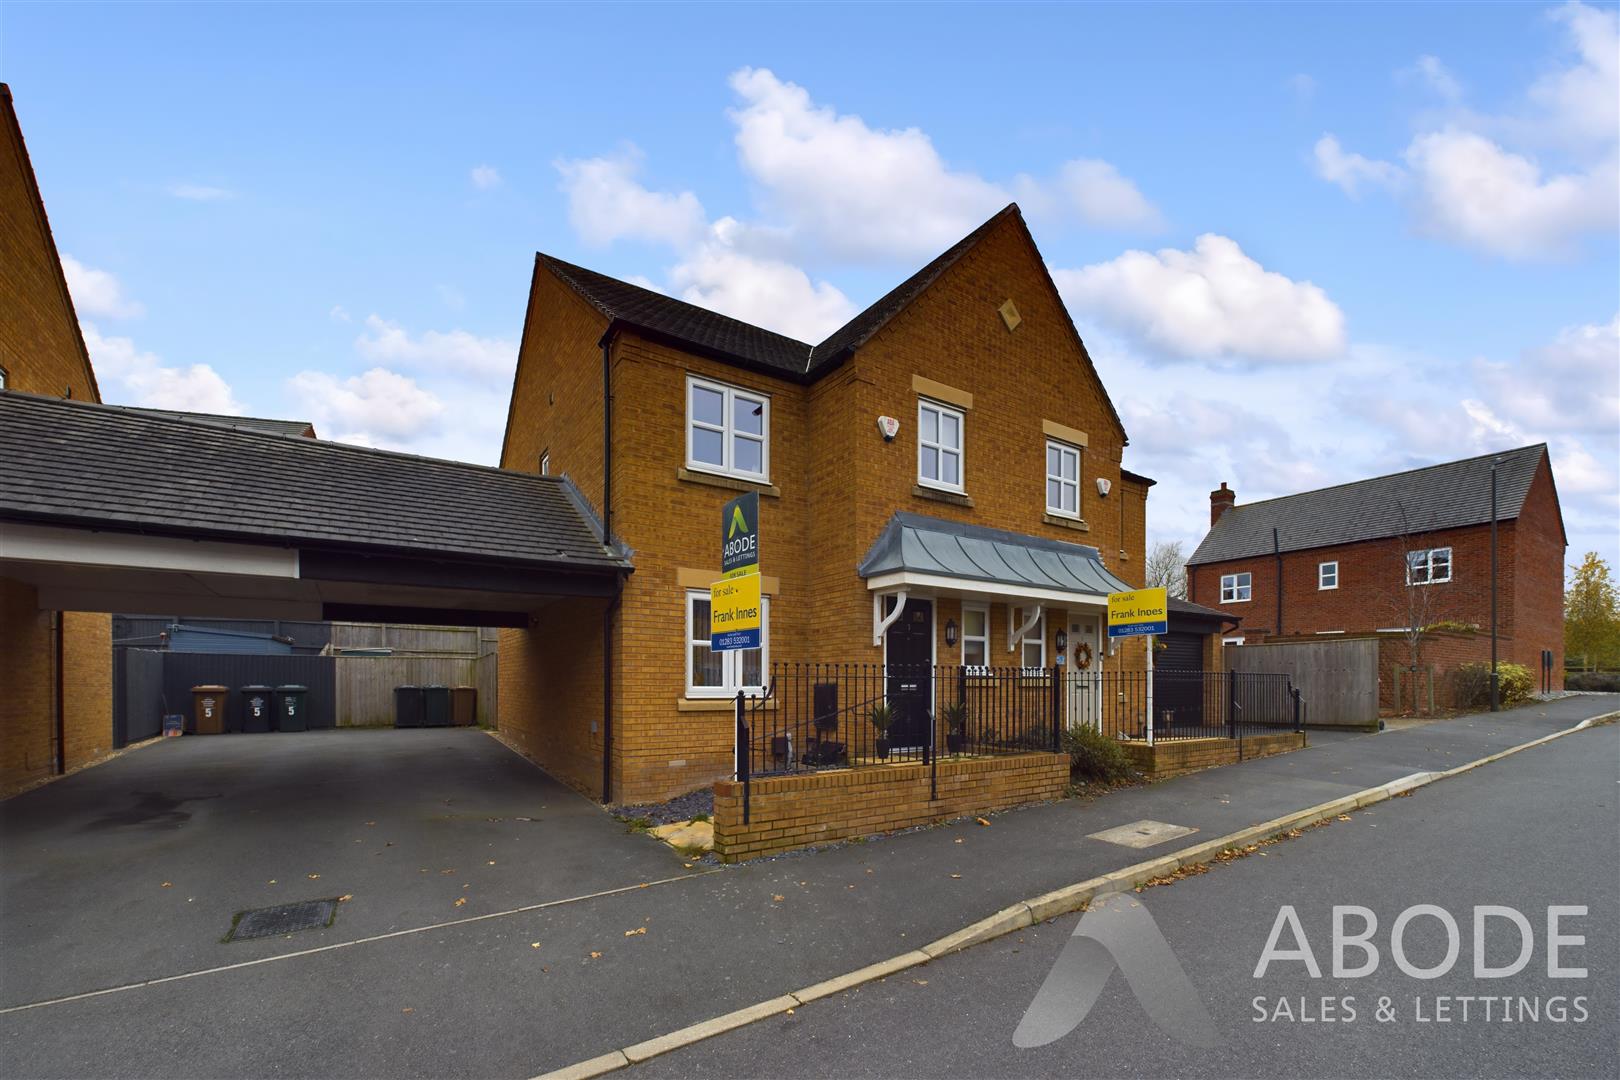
(1186, 704)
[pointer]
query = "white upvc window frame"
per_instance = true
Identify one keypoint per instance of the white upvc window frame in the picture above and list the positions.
(727, 430)
(545, 463)
(1425, 558)
(982, 610)
(1327, 578)
(1232, 641)
(731, 666)
(1065, 452)
(939, 447)
(1235, 591)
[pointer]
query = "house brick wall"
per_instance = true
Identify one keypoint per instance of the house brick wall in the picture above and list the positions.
(1540, 551)
(42, 353)
(834, 483)
(798, 811)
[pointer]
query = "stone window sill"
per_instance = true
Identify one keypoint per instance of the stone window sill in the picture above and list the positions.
(1066, 522)
(730, 483)
(955, 498)
(724, 704)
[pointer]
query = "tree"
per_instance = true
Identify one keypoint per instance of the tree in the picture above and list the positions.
(1418, 598)
(1592, 614)
(1167, 568)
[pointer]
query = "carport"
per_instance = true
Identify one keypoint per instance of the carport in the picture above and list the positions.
(111, 510)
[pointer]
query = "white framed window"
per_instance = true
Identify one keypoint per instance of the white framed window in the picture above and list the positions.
(1032, 646)
(2, 378)
(1231, 641)
(545, 463)
(1062, 479)
(728, 431)
(1236, 588)
(939, 446)
(718, 675)
(975, 636)
(1327, 575)
(1429, 566)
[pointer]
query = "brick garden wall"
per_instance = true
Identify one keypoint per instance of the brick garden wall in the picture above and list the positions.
(1174, 757)
(796, 811)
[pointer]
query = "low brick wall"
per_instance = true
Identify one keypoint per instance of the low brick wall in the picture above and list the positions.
(1179, 756)
(797, 811)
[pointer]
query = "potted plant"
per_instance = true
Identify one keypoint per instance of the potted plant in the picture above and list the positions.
(955, 716)
(881, 716)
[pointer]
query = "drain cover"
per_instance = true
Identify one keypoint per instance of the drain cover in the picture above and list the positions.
(1142, 834)
(283, 919)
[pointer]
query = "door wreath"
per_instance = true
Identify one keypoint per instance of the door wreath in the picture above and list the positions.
(1082, 656)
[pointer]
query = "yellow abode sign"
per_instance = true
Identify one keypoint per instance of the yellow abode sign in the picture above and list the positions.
(1140, 611)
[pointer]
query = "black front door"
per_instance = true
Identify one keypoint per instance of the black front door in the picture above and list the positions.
(911, 674)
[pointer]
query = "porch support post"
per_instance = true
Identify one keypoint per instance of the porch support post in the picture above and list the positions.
(881, 622)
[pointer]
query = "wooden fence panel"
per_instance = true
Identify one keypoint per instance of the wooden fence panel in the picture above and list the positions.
(1337, 679)
(365, 684)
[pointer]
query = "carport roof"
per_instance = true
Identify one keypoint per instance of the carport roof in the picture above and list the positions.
(913, 543)
(84, 464)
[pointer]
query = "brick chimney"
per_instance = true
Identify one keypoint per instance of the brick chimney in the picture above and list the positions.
(1220, 502)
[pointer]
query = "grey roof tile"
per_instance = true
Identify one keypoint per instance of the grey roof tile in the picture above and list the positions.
(241, 423)
(1447, 496)
(73, 461)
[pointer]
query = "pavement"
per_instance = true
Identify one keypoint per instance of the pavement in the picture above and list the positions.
(529, 988)
(1535, 830)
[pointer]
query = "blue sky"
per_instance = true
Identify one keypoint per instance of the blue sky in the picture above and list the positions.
(1304, 243)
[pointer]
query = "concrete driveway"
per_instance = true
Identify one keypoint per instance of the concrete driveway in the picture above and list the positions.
(133, 870)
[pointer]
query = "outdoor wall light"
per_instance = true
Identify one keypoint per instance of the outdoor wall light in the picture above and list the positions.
(950, 632)
(1063, 641)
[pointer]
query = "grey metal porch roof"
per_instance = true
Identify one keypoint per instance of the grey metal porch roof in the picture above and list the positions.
(913, 543)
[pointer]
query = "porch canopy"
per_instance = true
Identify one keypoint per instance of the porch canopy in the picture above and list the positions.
(916, 554)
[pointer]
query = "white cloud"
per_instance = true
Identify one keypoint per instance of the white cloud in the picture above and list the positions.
(1474, 183)
(1475, 193)
(607, 203)
(452, 352)
(98, 293)
(201, 192)
(1351, 170)
(1571, 385)
(339, 313)
(766, 292)
(485, 177)
(376, 408)
(1092, 192)
(129, 376)
(1209, 302)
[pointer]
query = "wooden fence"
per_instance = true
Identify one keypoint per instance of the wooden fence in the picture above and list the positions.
(365, 684)
(1339, 679)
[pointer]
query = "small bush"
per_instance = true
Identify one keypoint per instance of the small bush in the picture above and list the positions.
(1094, 756)
(1607, 682)
(1472, 686)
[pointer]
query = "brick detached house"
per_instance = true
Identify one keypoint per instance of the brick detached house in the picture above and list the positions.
(1384, 555)
(996, 518)
(55, 667)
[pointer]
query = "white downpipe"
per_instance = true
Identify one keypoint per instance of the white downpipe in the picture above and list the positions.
(1014, 639)
(1150, 690)
(881, 622)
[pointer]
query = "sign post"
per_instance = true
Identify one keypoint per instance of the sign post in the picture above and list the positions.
(1140, 613)
(735, 604)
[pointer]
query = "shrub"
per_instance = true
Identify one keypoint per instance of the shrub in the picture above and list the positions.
(1605, 681)
(1094, 756)
(1472, 686)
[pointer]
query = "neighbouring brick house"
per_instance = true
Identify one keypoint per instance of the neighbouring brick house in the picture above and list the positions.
(1007, 439)
(55, 667)
(1380, 556)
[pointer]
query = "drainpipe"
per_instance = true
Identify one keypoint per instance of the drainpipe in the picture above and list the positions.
(618, 581)
(59, 719)
(1276, 548)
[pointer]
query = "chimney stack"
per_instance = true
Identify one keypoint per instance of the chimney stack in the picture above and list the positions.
(1220, 502)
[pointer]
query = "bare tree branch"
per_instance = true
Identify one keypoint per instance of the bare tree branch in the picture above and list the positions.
(1167, 568)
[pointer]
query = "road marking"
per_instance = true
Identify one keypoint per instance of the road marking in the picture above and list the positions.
(358, 941)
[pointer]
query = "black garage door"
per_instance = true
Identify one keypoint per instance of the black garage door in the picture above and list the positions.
(1178, 681)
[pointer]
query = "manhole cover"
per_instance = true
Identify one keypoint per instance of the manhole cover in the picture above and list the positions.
(1141, 834)
(283, 919)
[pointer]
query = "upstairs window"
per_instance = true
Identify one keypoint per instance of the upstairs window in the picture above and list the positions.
(1236, 588)
(1428, 567)
(727, 430)
(1062, 479)
(1327, 575)
(939, 446)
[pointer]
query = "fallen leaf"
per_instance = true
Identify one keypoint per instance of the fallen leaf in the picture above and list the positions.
(345, 898)
(371, 823)
(460, 900)
(534, 944)
(955, 876)
(272, 881)
(168, 885)
(982, 821)
(596, 956)
(492, 862)
(637, 930)
(778, 897)
(869, 871)
(958, 840)
(449, 871)
(1344, 817)
(312, 877)
(790, 1012)
(687, 865)
(407, 1010)
(920, 982)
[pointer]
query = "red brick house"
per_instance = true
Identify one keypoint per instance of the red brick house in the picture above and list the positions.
(1006, 439)
(1387, 554)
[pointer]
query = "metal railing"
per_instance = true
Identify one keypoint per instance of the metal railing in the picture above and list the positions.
(1186, 704)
